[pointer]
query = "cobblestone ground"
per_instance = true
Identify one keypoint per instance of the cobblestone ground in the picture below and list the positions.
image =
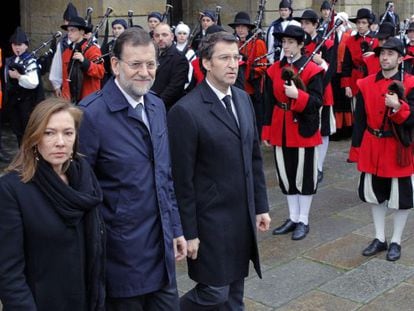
(325, 271)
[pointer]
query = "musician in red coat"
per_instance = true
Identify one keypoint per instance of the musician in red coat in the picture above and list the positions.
(253, 49)
(79, 57)
(291, 125)
(309, 22)
(384, 159)
(353, 67)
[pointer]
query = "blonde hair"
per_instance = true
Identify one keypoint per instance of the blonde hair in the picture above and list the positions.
(25, 162)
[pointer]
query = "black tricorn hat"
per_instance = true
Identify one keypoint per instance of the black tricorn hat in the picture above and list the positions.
(325, 5)
(386, 30)
(77, 22)
(19, 37)
(70, 12)
(291, 31)
(242, 18)
(391, 44)
(363, 13)
(308, 15)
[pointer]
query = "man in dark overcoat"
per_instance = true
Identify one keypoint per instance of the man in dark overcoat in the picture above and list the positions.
(218, 178)
(172, 72)
(124, 137)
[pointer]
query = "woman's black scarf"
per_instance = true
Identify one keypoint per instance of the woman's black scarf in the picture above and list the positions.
(76, 202)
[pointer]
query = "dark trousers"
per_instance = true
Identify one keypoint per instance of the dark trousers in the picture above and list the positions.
(218, 298)
(165, 299)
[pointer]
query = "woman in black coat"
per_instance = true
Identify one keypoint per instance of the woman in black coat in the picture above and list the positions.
(51, 235)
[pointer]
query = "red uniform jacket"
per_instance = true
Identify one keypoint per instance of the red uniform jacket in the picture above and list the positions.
(92, 72)
(353, 67)
(280, 126)
(378, 155)
(254, 49)
(326, 55)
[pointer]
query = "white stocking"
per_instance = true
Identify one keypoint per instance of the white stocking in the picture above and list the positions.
(400, 219)
(378, 215)
(293, 204)
(305, 202)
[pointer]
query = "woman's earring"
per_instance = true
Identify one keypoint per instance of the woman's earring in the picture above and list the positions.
(35, 153)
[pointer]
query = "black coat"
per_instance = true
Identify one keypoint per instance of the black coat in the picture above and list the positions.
(171, 76)
(42, 261)
(219, 183)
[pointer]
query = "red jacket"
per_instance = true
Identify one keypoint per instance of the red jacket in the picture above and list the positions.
(280, 126)
(353, 67)
(92, 72)
(253, 50)
(328, 99)
(378, 155)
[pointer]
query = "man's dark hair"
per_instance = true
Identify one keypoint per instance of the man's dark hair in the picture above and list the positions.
(208, 43)
(134, 36)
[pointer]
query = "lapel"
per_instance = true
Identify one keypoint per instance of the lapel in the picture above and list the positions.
(217, 108)
(242, 109)
(121, 103)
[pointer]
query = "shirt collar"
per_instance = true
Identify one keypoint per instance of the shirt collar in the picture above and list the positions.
(129, 99)
(219, 93)
(380, 76)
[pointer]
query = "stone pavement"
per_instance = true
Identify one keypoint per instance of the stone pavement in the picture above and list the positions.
(325, 271)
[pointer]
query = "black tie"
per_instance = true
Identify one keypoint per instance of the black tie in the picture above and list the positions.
(227, 101)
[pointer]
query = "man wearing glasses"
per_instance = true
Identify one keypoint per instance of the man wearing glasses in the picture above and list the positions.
(172, 72)
(218, 179)
(124, 138)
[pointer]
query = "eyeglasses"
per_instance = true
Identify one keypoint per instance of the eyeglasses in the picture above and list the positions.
(227, 58)
(151, 65)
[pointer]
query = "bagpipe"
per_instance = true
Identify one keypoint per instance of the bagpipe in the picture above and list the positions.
(196, 29)
(217, 15)
(75, 73)
(130, 18)
(22, 65)
(259, 17)
(257, 30)
(166, 15)
(289, 75)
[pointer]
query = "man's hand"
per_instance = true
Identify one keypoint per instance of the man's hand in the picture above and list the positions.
(263, 222)
(348, 92)
(58, 92)
(192, 248)
(180, 248)
(291, 91)
(266, 143)
(14, 74)
(391, 100)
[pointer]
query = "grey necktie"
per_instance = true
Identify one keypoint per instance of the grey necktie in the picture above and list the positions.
(227, 101)
(138, 109)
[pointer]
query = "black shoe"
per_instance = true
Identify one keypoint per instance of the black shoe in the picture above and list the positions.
(394, 252)
(375, 247)
(288, 226)
(300, 232)
(320, 176)
(4, 157)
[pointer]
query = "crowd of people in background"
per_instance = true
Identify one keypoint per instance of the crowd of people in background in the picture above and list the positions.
(150, 150)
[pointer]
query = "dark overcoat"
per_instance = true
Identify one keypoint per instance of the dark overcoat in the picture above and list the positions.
(133, 169)
(42, 262)
(219, 183)
(172, 75)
